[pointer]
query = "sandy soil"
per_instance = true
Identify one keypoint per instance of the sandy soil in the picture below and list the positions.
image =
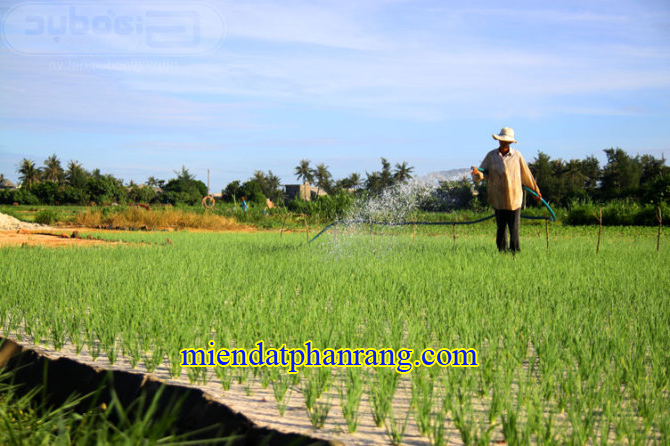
(9, 223)
(53, 238)
(14, 232)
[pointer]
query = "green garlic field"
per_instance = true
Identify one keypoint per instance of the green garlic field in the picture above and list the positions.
(573, 346)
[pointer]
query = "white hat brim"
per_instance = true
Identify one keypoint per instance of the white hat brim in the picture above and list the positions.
(504, 138)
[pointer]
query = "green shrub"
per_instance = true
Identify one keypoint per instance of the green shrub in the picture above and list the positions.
(615, 213)
(45, 217)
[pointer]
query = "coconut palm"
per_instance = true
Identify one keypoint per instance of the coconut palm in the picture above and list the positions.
(262, 180)
(353, 181)
(373, 182)
(155, 182)
(274, 187)
(402, 173)
(323, 178)
(385, 176)
(52, 169)
(304, 172)
(28, 173)
(75, 174)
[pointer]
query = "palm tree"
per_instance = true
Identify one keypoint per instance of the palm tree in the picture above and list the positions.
(322, 177)
(75, 174)
(402, 173)
(274, 186)
(373, 182)
(386, 177)
(52, 169)
(155, 182)
(353, 181)
(304, 172)
(29, 174)
(262, 180)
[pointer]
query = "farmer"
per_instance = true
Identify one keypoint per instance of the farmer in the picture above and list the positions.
(506, 171)
(244, 205)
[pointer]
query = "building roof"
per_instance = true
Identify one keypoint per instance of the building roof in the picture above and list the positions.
(6, 184)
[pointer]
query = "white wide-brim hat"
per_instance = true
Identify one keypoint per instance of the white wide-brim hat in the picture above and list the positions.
(506, 134)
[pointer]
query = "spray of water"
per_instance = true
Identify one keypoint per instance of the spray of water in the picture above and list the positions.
(378, 216)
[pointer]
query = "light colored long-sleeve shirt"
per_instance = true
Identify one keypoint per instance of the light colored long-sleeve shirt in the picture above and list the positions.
(506, 174)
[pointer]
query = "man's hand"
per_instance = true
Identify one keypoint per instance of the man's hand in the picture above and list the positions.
(538, 198)
(477, 175)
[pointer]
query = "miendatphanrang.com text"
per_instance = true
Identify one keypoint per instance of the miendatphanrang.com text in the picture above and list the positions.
(292, 358)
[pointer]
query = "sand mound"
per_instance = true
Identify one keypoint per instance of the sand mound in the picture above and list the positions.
(9, 223)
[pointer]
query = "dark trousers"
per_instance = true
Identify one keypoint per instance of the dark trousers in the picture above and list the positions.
(508, 219)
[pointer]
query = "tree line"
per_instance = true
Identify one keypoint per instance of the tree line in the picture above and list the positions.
(267, 185)
(54, 184)
(641, 179)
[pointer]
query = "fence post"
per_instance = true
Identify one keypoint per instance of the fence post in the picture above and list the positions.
(281, 234)
(546, 231)
(600, 227)
(371, 236)
(660, 225)
(306, 227)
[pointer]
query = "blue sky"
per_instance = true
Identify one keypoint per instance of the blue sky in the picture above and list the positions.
(263, 84)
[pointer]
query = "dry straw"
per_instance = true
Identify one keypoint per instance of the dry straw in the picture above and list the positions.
(137, 218)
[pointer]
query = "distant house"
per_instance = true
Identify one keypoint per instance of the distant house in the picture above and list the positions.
(305, 191)
(156, 189)
(6, 184)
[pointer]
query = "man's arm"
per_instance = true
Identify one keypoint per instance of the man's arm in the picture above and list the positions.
(478, 175)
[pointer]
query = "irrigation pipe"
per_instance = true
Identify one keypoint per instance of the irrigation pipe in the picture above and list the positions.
(437, 223)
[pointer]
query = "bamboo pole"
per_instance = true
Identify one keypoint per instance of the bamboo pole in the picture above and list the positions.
(371, 236)
(546, 231)
(660, 226)
(600, 227)
(281, 234)
(306, 227)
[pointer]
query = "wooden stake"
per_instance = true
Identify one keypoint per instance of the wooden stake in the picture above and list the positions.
(660, 225)
(453, 227)
(371, 236)
(600, 227)
(546, 231)
(414, 232)
(281, 234)
(306, 227)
